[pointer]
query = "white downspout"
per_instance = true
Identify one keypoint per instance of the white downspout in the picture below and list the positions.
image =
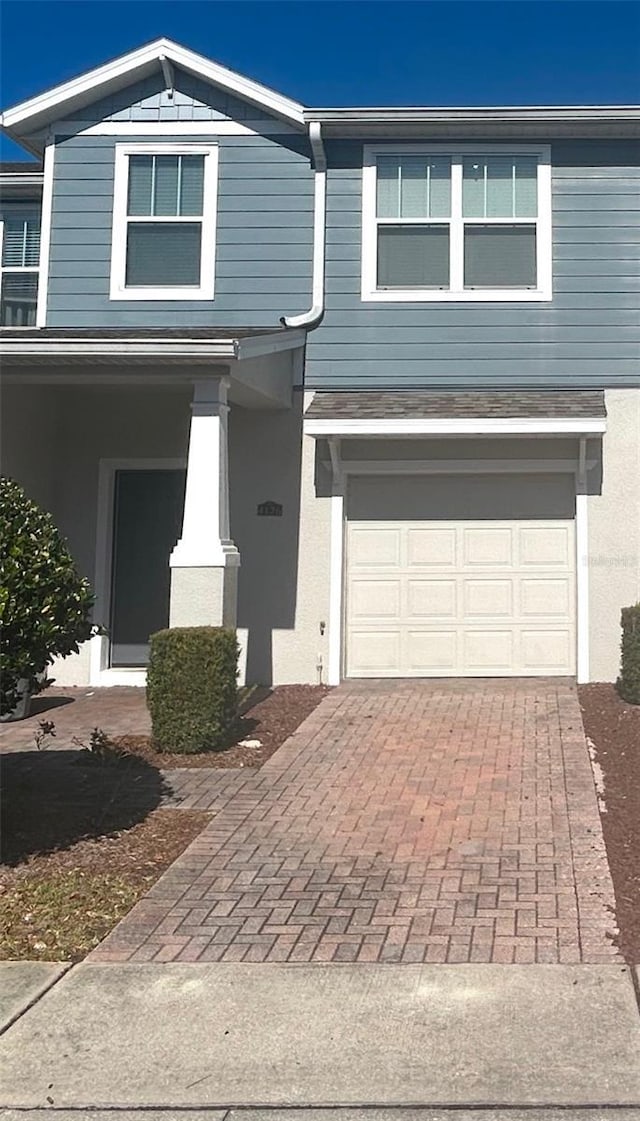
(312, 317)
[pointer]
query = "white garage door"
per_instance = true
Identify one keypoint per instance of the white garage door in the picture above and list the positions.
(468, 597)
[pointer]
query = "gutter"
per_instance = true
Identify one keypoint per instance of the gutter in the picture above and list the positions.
(312, 317)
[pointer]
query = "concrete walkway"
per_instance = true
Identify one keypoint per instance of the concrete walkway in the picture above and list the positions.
(427, 821)
(190, 1036)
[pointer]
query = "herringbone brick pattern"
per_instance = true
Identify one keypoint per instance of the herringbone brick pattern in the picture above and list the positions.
(443, 821)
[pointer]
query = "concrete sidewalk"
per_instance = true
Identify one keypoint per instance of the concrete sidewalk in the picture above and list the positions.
(214, 1037)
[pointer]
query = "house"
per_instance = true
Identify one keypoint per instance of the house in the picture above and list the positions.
(363, 382)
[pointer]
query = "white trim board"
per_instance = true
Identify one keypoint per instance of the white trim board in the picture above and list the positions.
(457, 426)
(45, 234)
(176, 129)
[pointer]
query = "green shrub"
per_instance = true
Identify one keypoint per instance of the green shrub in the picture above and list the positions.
(45, 606)
(628, 684)
(192, 689)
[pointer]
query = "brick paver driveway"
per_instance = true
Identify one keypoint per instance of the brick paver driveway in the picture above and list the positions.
(438, 821)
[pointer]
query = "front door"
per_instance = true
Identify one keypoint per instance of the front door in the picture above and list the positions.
(147, 520)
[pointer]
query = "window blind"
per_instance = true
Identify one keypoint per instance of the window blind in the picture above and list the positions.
(163, 253)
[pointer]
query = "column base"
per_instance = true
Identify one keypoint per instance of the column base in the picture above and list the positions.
(204, 596)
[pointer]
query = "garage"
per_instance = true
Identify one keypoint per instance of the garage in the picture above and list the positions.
(460, 576)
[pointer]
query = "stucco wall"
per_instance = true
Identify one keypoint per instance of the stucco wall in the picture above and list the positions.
(614, 532)
(283, 582)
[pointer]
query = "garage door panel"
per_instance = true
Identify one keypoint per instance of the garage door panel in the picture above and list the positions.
(430, 652)
(431, 599)
(546, 651)
(491, 598)
(375, 547)
(375, 599)
(546, 545)
(460, 598)
(546, 597)
(431, 546)
(490, 650)
(375, 652)
(486, 546)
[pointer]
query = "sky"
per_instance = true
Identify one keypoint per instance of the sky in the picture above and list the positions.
(355, 52)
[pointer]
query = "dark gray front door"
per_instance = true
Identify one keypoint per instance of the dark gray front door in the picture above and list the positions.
(146, 526)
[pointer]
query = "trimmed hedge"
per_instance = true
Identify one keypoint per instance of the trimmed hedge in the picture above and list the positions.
(192, 690)
(628, 683)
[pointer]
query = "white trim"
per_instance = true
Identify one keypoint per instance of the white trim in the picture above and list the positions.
(203, 129)
(121, 71)
(45, 234)
(205, 290)
(252, 346)
(582, 566)
(100, 672)
(336, 568)
(464, 426)
(458, 467)
(456, 292)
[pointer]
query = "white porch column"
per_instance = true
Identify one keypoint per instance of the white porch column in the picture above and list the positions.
(204, 563)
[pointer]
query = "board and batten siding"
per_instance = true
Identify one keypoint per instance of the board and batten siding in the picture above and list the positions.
(588, 335)
(263, 244)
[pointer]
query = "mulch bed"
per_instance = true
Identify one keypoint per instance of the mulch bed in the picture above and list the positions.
(614, 730)
(271, 719)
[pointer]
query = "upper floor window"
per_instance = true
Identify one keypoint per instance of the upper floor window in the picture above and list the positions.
(20, 234)
(464, 225)
(164, 222)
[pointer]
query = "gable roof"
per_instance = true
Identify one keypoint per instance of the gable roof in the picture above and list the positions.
(38, 112)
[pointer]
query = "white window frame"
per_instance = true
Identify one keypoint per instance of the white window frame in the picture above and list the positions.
(18, 268)
(456, 293)
(205, 290)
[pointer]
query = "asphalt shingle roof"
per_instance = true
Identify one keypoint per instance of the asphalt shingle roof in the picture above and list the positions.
(425, 403)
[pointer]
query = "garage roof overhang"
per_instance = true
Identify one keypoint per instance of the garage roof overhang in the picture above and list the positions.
(426, 413)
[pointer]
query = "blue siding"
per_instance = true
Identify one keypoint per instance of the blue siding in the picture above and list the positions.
(589, 334)
(192, 100)
(264, 238)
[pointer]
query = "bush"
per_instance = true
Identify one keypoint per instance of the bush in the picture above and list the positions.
(45, 606)
(628, 684)
(192, 689)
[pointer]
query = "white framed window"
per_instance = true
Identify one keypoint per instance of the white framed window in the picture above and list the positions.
(457, 223)
(19, 267)
(164, 222)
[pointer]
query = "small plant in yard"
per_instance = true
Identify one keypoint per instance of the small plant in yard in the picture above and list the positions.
(46, 731)
(192, 690)
(628, 684)
(45, 605)
(100, 748)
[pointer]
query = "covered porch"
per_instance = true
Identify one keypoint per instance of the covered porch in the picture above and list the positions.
(129, 438)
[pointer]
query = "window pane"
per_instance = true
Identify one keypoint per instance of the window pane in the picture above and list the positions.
(140, 184)
(526, 187)
(388, 180)
(192, 180)
(500, 187)
(18, 299)
(165, 195)
(21, 242)
(500, 257)
(413, 256)
(413, 187)
(163, 253)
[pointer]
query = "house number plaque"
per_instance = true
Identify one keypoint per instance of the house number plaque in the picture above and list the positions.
(269, 510)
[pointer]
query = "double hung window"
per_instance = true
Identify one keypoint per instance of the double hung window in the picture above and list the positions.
(164, 223)
(20, 235)
(456, 225)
